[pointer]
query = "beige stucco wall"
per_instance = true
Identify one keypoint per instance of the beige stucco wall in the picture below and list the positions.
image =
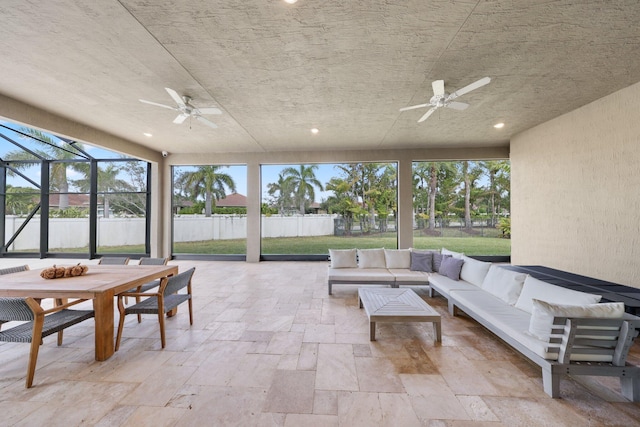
(575, 183)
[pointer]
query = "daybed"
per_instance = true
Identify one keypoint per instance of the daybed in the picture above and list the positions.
(561, 330)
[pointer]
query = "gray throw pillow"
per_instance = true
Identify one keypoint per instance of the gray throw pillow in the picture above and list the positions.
(437, 261)
(422, 261)
(451, 267)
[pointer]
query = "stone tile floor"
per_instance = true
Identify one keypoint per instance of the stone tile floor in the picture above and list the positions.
(269, 347)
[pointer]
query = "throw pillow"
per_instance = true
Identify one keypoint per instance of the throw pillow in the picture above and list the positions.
(474, 271)
(543, 313)
(537, 289)
(504, 284)
(422, 261)
(371, 258)
(451, 267)
(397, 258)
(343, 258)
(437, 261)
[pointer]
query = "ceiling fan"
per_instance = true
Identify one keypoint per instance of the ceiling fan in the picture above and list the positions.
(186, 109)
(442, 99)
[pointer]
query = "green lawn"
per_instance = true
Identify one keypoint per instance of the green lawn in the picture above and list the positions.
(321, 244)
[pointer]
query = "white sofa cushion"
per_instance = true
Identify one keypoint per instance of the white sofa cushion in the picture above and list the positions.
(371, 258)
(446, 251)
(362, 275)
(404, 276)
(544, 312)
(444, 285)
(504, 284)
(397, 258)
(474, 271)
(537, 289)
(343, 258)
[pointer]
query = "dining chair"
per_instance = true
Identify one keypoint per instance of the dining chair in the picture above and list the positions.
(147, 286)
(160, 303)
(113, 260)
(39, 323)
(10, 270)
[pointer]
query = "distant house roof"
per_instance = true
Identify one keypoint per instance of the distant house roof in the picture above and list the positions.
(74, 200)
(233, 200)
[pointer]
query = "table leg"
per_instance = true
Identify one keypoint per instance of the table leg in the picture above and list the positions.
(437, 330)
(372, 331)
(103, 306)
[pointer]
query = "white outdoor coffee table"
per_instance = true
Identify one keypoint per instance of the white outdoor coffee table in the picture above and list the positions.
(397, 305)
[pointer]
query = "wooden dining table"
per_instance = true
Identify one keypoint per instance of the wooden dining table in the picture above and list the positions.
(101, 284)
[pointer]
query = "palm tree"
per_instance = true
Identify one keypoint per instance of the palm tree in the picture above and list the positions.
(50, 149)
(470, 173)
(283, 190)
(209, 182)
(108, 182)
(303, 180)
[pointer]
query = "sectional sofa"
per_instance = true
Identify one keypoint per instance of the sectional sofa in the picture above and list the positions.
(561, 330)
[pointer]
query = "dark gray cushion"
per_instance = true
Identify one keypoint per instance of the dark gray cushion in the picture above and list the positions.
(422, 261)
(437, 261)
(451, 267)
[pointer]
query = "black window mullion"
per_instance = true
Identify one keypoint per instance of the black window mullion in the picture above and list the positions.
(93, 209)
(44, 208)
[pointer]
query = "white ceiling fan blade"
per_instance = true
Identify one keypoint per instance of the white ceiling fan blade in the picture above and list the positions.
(413, 107)
(157, 105)
(426, 115)
(175, 97)
(469, 88)
(209, 110)
(180, 119)
(206, 122)
(457, 105)
(438, 87)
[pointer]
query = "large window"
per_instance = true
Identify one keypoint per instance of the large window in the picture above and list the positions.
(463, 206)
(210, 210)
(61, 196)
(309, 209)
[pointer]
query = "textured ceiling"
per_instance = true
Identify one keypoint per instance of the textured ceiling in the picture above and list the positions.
(345, 67)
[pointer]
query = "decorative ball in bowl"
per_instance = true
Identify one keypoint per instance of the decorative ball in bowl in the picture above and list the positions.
(58, 272)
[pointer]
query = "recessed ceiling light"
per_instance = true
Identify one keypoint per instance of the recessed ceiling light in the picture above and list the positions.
(147, 134)
(314, 131)
(290, 1)
(498, 125)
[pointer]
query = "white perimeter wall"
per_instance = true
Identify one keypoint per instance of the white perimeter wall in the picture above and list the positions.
(74, 232)
(575, 185)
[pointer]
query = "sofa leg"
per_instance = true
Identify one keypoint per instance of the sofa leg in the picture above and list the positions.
(452, 308)
(630, 388)
(329, 285)
(551, 383)
(430, 292)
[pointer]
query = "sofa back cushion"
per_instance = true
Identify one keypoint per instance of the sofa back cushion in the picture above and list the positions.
(343, 258)
(451, 267)
(371, 258)
(474, 271)
(537, 289)
(397, 258)
(422, 261)
(504, 284)
(544, 312)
